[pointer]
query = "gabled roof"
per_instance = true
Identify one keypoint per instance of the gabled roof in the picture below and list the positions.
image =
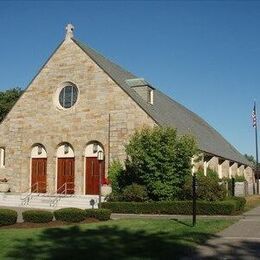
(167, 112)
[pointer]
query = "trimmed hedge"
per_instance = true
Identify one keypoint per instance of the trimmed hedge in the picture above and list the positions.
(37, 216)
(70, 214)
(7, 217)
(227, 207)
(240, 203)
(100, 214)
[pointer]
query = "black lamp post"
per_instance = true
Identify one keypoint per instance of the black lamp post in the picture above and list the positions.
(100, 157)
(194, 199)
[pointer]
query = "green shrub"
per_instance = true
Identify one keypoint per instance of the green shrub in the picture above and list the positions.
(114, 196)
(173, 207)
(240, 203)
(100, 214)
(70, 214)
(160, 160)
(240, 178)
(134, 192)
(7, 217)
(212, 174)
(208, 188)
(115, 171)
(216, 208)
(37, 216)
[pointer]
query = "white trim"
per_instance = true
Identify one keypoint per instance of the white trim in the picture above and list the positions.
(56, 177)
(56, 95)
(84, 175)
(30, 177)
(35, 154)
(2, 157)
(89, 150)
(60, 153)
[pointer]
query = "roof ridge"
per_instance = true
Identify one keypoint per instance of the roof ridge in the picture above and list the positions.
(166, 111)
(87, 47)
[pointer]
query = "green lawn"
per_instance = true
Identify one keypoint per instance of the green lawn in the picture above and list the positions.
(115, 239)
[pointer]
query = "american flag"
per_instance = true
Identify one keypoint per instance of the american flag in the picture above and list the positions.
(254, 116)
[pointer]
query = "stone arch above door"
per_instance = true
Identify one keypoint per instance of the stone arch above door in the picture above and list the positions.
(92, 149)
(65, 150)
(38, 151)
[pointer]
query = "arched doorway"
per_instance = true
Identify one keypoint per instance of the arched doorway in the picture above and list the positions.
(65, 169)
(38, 169)
(94, 168)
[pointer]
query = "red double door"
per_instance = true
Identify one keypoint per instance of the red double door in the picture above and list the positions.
(93, 169)
(65, 176)
(39, 170)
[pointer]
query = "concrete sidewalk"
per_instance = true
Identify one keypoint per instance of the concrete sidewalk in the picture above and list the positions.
(165, 216)
(239, 241)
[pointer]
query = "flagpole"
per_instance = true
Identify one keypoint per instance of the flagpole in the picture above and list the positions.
(256, 151)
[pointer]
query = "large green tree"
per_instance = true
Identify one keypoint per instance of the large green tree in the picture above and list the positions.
(160, 160)
(7, 100)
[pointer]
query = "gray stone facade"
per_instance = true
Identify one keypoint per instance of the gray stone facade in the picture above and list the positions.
(36, 118)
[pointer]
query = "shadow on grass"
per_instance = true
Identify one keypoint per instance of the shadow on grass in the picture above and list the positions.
(105, 243)
(182, 222)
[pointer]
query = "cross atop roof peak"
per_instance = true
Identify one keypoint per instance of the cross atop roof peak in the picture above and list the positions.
(69, 31)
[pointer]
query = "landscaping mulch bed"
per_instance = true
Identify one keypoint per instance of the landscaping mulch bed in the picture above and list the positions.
(51, 224)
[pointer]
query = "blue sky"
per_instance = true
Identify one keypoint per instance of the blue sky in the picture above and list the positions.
(204, 54)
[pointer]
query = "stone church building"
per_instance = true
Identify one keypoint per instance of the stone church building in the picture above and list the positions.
(81, 103)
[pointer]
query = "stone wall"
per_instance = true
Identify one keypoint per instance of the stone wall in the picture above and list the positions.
(36, 118)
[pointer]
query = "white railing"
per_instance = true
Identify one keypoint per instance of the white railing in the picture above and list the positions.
(30, 192)
(62, 191)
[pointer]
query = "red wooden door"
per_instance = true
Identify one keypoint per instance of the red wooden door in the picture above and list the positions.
(92, 174)
(39, 169)
(66, 168)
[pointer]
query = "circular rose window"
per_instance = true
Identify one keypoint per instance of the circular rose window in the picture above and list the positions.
(68, 96)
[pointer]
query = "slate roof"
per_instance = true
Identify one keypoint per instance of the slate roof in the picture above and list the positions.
(167, 112)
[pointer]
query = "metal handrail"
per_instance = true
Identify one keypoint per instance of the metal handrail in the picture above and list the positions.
(58, 195)
(28, 197)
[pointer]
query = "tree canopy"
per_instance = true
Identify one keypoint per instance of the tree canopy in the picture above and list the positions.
(7, 100)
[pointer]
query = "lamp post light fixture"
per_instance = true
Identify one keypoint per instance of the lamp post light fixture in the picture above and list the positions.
(100, 157)
(95, 147)
(194, 199)
(39, 149)
(66, 148)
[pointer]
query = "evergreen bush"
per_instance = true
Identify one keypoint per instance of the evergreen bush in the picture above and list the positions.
(37, 216)
(227, 207)
(134, 192)
(208, 188)
(100, 214)
(7, 217)
(70, 215)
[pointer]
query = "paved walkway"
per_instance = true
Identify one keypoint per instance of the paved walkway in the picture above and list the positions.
(239, 241)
